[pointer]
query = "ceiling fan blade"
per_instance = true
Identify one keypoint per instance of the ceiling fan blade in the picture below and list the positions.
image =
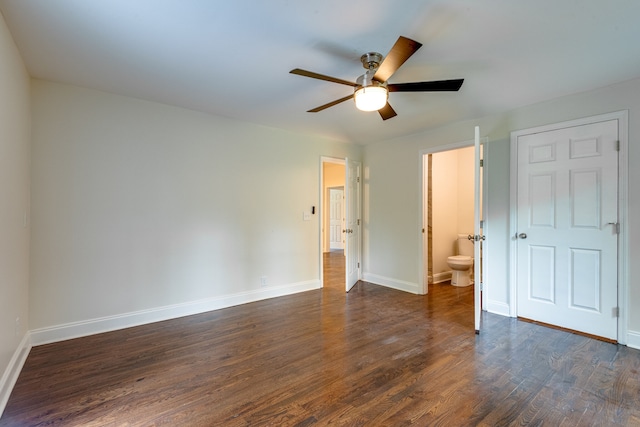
(434, 86)
(313, 75)
(330, 104)
(399, 53)
(387, 112)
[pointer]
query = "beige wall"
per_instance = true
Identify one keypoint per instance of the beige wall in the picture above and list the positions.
(14, 210)
(444, 199)
(334, 175)
(452, 198)
(466, 157)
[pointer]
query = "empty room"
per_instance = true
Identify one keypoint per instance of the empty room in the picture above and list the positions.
(319, 213)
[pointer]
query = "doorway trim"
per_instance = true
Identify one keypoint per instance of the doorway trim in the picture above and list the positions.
(623, 204)
(423, 284)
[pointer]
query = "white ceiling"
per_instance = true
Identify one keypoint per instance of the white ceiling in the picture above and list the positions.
(232, 57)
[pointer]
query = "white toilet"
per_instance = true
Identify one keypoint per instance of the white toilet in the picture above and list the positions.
(462, 263)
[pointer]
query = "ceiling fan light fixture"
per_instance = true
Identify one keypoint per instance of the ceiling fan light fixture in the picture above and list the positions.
(370, 95)
(371, 98)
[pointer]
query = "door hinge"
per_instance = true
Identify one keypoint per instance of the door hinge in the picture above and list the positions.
(615, 312)
(358, 265)
(617, 145)
(481, 286)
(481, 162)
(358, 179)
(358, 221)
(616, 225)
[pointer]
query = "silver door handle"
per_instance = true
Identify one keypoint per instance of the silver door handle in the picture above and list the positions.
(522, 236)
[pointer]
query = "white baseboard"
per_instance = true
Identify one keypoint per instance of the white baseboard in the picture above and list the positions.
(400, 285)
(500, 308)
(441, 277)
(136, 318)
(633, 339)
(12, 372)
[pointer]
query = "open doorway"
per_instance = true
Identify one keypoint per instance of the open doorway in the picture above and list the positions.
(333, 223)
(449, 208)
(473, 275)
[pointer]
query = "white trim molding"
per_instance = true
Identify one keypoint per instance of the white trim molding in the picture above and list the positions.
(441, 277)
(388, 282)
(10, 375)
(126, 320)
(633, 339)
(497, 307)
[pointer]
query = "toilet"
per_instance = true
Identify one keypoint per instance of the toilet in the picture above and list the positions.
(462, 263)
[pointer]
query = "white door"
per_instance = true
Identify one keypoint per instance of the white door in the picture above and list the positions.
(567, 241)
(336, 212)
(352, 223)
(478, 236)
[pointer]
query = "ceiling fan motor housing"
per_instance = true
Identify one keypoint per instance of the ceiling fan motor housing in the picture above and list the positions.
(367, 80)
(371, 60)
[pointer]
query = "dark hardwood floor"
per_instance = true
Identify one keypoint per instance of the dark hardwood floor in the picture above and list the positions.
(372, 357)
(333, 270)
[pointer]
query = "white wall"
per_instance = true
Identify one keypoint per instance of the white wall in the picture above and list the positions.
(143, 211)
(14, 205)
(392, 236)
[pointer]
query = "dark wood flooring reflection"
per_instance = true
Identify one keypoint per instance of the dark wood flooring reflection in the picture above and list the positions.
(333, 264)
(372, 357)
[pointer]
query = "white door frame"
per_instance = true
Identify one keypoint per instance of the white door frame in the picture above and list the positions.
(423, 284)
(353, 214)
(623, 238)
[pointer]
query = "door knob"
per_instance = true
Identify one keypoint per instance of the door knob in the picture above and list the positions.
(469, 237)
(522, 235)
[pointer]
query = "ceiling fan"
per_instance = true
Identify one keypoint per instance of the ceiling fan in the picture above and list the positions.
(371, 90)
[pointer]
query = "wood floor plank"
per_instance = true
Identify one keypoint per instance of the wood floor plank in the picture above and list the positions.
(374, 356)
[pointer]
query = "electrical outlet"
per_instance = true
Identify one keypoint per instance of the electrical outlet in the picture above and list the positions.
(18, 329)
(263, 281)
